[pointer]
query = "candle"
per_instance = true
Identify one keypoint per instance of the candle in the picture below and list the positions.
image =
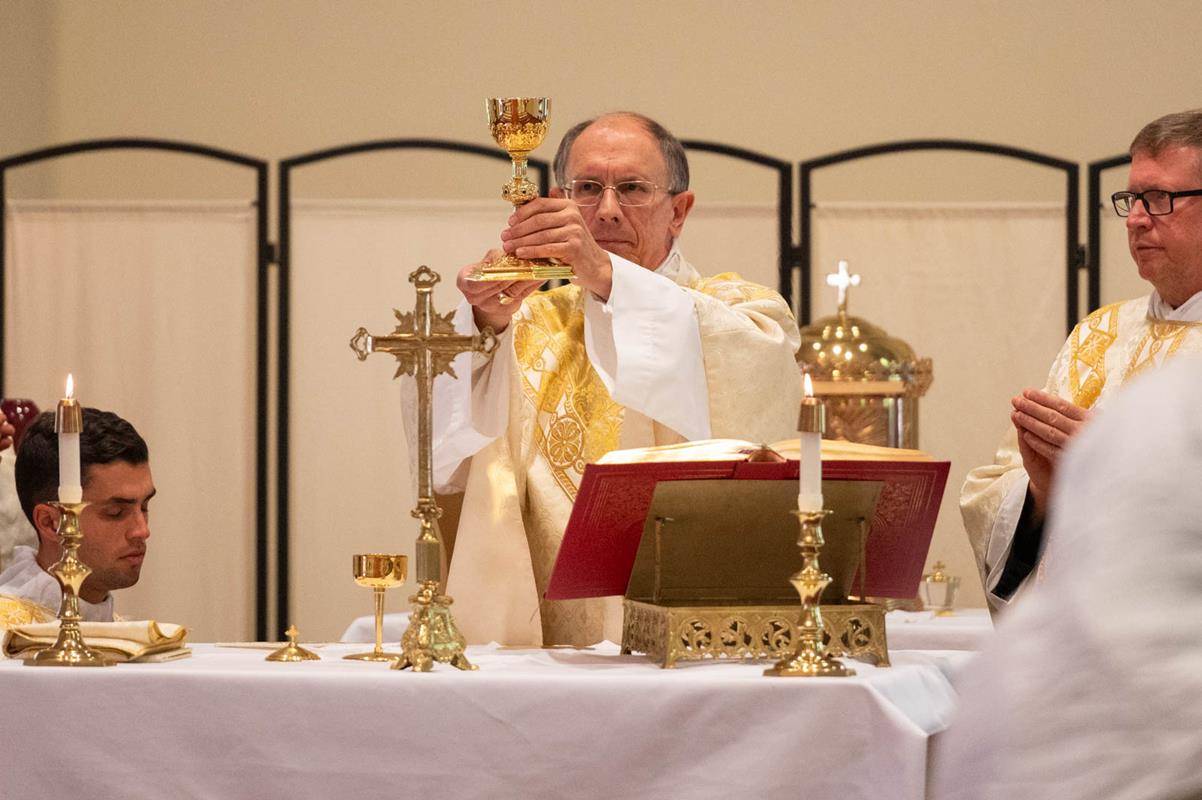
(68, 422)
(812, 424)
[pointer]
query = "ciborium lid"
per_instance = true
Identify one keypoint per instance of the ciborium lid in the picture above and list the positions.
(844, 354)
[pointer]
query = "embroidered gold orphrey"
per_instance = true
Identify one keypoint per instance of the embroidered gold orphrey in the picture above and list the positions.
(576, 421)
(1087, 361)
(1162, 336)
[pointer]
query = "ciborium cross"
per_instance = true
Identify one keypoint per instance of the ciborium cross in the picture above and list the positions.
(425, 343)
(843, 281)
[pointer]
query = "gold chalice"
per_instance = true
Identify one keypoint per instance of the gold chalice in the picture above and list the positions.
(519, 125)
(378, 572)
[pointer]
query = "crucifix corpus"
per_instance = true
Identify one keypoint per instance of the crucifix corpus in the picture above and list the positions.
(425, 344)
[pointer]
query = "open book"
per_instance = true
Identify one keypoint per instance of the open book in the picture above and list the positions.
(607, 523)
(140, 640)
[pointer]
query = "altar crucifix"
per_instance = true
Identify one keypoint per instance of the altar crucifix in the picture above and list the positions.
(843, 281)
(425, 344)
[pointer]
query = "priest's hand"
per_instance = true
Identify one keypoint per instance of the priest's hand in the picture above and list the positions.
(552, 227)
(493, 302)
(6, 432)
(1045, 424)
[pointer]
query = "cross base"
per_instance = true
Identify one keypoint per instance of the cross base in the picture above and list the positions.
(432, 634)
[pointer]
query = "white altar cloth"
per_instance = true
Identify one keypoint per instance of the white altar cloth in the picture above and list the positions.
(531, 723)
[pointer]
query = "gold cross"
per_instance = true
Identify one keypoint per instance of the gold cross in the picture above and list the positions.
(843, 281)
(425, 344)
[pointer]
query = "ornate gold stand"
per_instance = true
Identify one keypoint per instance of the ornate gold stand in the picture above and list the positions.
(668, 634)
(425, 344)
(69, 650)
(811, 658)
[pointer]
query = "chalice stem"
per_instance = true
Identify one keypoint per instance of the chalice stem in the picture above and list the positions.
(379, 598)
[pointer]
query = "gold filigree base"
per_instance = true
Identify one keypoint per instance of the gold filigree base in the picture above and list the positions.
(669, 634)
(432, 634)
(512, 268)
(68, 651)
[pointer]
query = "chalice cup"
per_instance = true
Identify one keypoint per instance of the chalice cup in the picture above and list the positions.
(378, 572)
(519, 125)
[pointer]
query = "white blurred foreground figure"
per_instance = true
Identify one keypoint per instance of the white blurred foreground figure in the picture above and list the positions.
(1092, 687)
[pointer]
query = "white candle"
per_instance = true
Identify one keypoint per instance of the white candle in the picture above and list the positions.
(812, 423)
(68, 423)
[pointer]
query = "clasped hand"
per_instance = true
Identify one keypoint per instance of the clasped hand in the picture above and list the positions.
(1045, 424)
(546, 227)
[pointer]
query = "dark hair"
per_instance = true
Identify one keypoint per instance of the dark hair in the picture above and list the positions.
(1183, 129)
(106, 438)
(669, 146)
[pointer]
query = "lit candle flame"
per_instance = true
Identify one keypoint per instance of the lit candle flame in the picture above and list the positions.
(809, 386)
(71, 386)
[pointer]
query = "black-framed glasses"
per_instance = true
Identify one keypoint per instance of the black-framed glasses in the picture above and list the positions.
(630, 193)
(1157, 202)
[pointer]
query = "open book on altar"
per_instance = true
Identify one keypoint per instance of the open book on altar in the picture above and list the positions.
(608, 519)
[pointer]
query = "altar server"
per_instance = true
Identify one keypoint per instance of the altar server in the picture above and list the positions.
(639, 350)
(1090, 686)
(117, 484)
(1003, 504)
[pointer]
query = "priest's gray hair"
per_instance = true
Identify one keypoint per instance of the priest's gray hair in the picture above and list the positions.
(669, 146)
(1183, 129)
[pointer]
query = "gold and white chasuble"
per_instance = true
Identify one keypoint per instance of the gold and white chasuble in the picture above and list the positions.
(670, 357)
(1105, 350)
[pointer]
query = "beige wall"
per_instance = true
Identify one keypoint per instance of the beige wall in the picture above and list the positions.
(276, 78)
(272, 79)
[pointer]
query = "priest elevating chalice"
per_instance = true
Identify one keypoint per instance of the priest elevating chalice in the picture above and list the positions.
(519, 124)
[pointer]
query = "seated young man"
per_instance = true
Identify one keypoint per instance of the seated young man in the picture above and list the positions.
(117, 485)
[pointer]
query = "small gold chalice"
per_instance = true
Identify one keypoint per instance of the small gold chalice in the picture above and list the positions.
(519, 125)
(378, 572)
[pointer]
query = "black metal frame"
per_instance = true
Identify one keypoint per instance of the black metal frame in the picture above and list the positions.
(1096, 209)
(262, 261)
(1073, 252)
(789, 253)
(284, 300)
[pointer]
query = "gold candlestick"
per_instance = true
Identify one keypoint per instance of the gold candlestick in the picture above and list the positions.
(810, 659)
(378, 572)
(519, 125)
(69, 650)
(425, 344)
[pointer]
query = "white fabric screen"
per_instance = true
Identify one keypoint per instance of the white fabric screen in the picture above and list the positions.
(980, 289)
(151, 306)
(351, 487)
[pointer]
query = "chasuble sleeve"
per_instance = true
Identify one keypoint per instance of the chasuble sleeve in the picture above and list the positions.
(749, 341)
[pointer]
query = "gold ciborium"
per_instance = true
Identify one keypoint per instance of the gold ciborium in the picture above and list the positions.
(519, 125)
(378, 572)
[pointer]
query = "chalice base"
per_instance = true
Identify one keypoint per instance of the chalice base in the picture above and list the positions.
(512, 268)
(432, 635)
(373, 656)
(808, 664)
(69, 651)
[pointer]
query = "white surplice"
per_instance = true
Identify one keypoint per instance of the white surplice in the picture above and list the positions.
(669, 357)
(14, 527)
(1091, 685)
(1106, 349)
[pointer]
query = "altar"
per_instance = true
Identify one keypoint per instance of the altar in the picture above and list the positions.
(531, 723)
